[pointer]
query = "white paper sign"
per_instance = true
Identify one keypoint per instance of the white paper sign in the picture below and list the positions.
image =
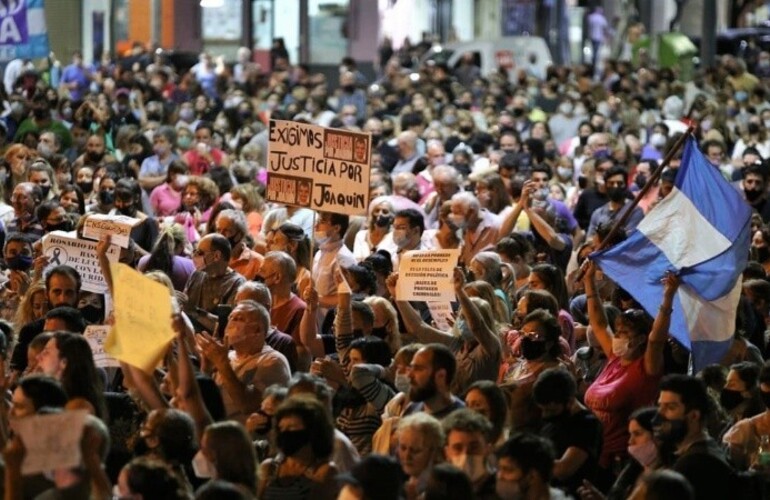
(65, 248)
(442, 315)
(51, 441)
(320, 168)
(117, 226)
(426, 275)
(95, 335)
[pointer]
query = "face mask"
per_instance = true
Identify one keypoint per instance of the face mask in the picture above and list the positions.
(91, 314)
(321, 238)
(376, 138)
(730, 399)
(646, 453)
(620, 346)
(640, 181)
(63, 226)
(474, 466)
(765, 397)
(40, 113)
(752, 194)
(184, 142)
(66, 113)
(565, 108)
(86, 187)
(160, 150)
(669, 431)
(44, 150)
(45, 190)
(186, 114)
(19, 263)
(290, 442)
(508, 489)
(17, 107)
(458, 220)
(380, 331)
(383, 220)
(705, 125)
(349, 120)
(402, 383)
(583, 140)
(753, 128)
(564, 172)
(658, 140)
(582, 182)
(237, 333)
(616, 194)
(106, 197)
(400, 238)
(95, 156)
(349, 88)
(202, 466)
(532, 349)
(466, 129)
(180, 181)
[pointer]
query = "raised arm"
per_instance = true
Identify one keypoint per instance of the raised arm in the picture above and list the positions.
(653, 356)
(188, 391)
(308, 326)
(480, 329)
(597, 317)
(412, 320)
(101, 252)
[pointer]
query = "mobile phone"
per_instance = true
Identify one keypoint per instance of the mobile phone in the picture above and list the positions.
(222, 311)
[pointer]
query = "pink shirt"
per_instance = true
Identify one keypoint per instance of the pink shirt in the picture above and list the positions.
(614, 395)
(165, 201)
(199, 165)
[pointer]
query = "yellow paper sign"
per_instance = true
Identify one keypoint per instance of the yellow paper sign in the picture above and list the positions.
(142, 329)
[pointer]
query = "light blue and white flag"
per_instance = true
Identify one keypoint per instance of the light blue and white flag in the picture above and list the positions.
(701, 231)
(23, 31)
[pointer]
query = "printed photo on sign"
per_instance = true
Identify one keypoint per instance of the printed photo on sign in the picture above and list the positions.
(318, 168)
(66, 248)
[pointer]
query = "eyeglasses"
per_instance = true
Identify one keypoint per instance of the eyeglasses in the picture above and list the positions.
(199, 253)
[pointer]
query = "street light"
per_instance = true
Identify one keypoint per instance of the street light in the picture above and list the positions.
(212, 4)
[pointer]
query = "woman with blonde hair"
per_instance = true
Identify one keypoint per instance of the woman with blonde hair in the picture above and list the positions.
(17, 158)
(246, 198)
(420, 447)
(485, 292)
(167, 256)
(385, 322)
(33, 305)
(377, 233)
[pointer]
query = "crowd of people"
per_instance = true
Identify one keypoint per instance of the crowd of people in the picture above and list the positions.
(295, 371)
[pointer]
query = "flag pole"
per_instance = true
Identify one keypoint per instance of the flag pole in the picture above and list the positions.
(621, 222)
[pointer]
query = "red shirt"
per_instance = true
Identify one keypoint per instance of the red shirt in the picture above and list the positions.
(198, 164)
(614, 395)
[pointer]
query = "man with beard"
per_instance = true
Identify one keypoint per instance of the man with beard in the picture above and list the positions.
(95, 155)
(755, 190)
(62, 285)
(680, 427)
(617, 192)
(41, 120)
(430, 376)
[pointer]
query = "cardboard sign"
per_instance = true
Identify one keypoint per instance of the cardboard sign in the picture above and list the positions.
(117, 226)
(426, 275)
(442, 315)
(142, 328)
(96, 335)
(319, 168)
(66, 248)
(51, 441)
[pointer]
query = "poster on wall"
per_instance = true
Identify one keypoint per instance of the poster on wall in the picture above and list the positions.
(23, 31)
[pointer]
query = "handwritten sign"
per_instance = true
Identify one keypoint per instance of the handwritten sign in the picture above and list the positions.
(66, 248)
(142, 328)
(319, 168)
(96, 336)
(51, 441)
(117, 226)
(426, 275)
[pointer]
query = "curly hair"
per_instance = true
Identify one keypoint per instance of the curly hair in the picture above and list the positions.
(207, 190)
(317, 420)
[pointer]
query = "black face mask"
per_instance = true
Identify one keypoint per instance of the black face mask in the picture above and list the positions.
(40, 113)
(517, 112)
(670, 432)
(583, 140)
(383, 220)
(95, 156)
(62, 226)
(730, 399)
(582, 181)
(290, 442)
(380, 331)
(106, 197)
(376, 138)
(128, 211)
(762, 254)
(92, 314)
(752, 194)
(532, 349)
(86, 187)
(466, 129)
(640, 181)
(349, 88)
(616, 194)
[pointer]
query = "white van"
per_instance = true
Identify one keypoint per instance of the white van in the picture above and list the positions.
(510, 52)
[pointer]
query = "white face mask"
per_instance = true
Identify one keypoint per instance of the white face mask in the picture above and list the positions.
(202, 466)
(458, 220)
(620, 347)
(658, 140)
(321, 237)
(474, 466)
(402, 383)
(400, 238)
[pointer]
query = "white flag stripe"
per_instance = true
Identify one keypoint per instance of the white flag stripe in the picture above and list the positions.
(681, 232)
(710, 320)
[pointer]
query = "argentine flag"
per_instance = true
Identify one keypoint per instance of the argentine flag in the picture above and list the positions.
(701, 231)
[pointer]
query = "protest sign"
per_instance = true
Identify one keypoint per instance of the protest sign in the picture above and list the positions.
(23, 31)
(319, 168)
(96, 335)
(50, 441)
(117, 226)
(442, 315)
(66, 248)
(426, 275)
(142, 329)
